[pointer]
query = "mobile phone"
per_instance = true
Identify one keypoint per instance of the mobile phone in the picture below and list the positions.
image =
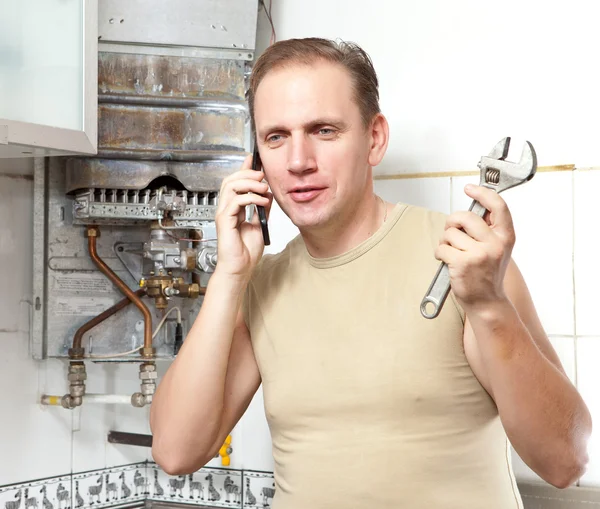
(262, 215)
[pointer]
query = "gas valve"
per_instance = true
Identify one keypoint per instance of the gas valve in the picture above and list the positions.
(225, 452)
(163, 287)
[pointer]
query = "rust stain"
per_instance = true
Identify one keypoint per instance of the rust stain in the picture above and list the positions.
(163, 75)
(16, 177)
(165, 128)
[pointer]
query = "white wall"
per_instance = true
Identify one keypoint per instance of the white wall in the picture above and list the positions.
(458, 76)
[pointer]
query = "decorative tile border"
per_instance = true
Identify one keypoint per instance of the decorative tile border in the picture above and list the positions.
(52, 493)
(138, 482)
(259, 489)
(110, 487)
(214, 487)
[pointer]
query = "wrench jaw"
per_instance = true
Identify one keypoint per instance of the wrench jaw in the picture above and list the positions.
(529, 159)
(500, 150)
(500, 175)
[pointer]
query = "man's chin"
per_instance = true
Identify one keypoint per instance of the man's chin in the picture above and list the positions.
(308, 222)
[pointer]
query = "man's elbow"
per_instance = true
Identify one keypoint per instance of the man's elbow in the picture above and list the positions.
(569, 471)
(174, 463)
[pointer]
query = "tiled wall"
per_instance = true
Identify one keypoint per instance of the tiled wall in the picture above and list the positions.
(556, 219)
(208, 487)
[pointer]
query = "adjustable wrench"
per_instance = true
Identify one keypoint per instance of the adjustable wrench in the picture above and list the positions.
(495, 173)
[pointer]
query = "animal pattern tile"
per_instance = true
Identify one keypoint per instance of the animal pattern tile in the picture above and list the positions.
(124, 485)
(259, 489)
(110, 487)
(211, 487)
(51, 493)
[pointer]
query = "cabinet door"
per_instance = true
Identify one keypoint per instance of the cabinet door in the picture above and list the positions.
(48, 77)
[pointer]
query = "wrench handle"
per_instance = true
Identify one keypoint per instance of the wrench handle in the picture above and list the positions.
(477, 208)
(440, 286)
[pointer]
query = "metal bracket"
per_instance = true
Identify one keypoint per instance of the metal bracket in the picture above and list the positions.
(121, 437)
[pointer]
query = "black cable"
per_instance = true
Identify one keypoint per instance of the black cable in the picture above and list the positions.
(268, 14)
(178, 338)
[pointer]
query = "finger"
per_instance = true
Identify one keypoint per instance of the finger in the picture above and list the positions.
(447, 254)
(254, 219)
(237, 187)
(458, 239)
(247, 164)
(493, 202)
(473, 225)
(247, 186)
(244, 173)
(242, 200)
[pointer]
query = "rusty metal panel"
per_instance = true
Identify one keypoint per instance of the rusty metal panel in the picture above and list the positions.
(135, 127)
(134, 174)
(138, 74)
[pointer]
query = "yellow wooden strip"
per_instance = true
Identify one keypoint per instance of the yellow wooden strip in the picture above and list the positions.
(465, 173)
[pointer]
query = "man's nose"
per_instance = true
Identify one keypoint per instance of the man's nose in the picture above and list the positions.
(301, 156)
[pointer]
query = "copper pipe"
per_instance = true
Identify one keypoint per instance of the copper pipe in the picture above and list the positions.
(147, 350)
(101, 317)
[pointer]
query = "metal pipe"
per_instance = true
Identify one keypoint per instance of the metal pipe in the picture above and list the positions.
(78, 337)
(112, 399)
(147, 351)
(170, 154)
(204, 103)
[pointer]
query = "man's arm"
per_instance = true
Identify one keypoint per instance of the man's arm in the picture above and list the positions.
(544, 416)
(207, 388)
(211, 382)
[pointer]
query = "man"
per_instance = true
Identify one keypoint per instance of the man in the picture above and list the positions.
(369, 404)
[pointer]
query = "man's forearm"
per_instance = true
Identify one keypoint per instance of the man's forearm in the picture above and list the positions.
(543, 414)
(186, 409)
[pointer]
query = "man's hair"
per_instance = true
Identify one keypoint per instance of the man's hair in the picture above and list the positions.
(310, 50)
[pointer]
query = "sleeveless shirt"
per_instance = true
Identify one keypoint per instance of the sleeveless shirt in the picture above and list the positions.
(369, 404)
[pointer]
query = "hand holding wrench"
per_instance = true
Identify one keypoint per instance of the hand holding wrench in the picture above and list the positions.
(495, 173)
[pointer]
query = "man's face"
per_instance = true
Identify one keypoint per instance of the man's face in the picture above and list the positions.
(313, 144)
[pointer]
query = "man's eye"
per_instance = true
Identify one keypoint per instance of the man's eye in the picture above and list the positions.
(325, 131)
(273, 138)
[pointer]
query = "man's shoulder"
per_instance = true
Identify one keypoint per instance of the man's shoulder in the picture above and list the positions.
(423, 219)
(271, 263)
(426, 212)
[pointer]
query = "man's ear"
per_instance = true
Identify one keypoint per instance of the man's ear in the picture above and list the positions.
(379, 131)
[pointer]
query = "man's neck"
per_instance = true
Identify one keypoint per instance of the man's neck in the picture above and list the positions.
(347, 232)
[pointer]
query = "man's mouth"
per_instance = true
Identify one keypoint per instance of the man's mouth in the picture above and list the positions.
(303, 194)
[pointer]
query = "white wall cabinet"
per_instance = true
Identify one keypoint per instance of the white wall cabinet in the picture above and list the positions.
(48, 77)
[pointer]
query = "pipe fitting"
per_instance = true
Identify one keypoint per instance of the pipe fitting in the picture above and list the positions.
(92, 231)
(148, 353)
(76, 353)
(138, 400)
(148, 376)
(70, 402)
(77, 377)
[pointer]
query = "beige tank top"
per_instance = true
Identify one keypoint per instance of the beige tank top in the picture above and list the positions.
(369, 404)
